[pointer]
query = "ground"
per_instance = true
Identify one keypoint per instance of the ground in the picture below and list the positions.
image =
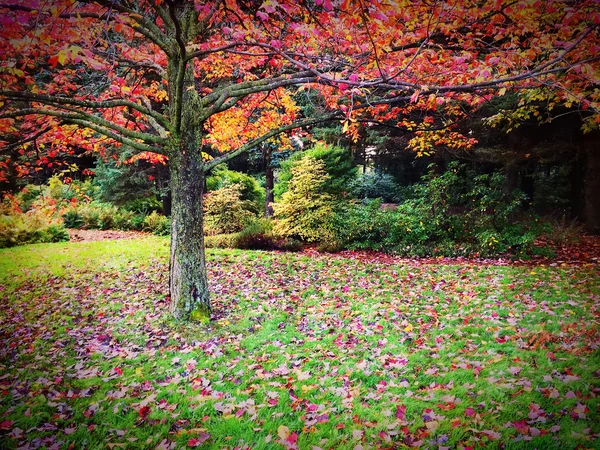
(304, 351)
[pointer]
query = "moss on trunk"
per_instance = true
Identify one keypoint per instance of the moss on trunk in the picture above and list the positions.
(188, 284)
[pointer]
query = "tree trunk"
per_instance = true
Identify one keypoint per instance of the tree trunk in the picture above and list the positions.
(269, 181)
(188, 281)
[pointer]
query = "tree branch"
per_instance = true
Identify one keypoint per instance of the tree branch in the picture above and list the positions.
(26, 140)
(106, 104)
(303, 123)
(79, 120)
(181, 68)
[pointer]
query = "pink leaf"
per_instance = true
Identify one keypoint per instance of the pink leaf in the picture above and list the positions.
(195, 442)
(401, 412)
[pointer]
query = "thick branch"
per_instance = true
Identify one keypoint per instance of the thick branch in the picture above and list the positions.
(303, 123)
(106, 104)
(144, 26)
(79, 120)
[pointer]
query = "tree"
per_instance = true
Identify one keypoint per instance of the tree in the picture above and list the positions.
(167, 77)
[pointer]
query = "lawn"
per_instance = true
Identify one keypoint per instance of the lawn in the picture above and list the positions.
(306, 351)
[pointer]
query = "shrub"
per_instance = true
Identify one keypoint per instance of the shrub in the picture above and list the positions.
(364, 226)
(106, 216)
(220, 241)
(225, 211)
(124, 220)
(305, 210)
(29, 228)
(453, 214)
(157, 224)
(258, 235)
(90, 214)
(250, 190)
(338, 165)
(375, 185)
(72, 219)
(143, 206)
(28, 195)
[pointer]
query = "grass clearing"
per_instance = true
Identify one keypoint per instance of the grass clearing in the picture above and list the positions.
(305, 351)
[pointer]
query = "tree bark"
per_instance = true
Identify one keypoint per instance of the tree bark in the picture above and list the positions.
(269, 181)
(188, 283)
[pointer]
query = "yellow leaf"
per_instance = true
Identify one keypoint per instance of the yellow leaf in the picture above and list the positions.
(283, 432)
(62, 57)
(502, 91)
(409, 328)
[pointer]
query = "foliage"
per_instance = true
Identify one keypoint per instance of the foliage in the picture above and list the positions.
(552, 190)
(225, 211)
(133, 185)
(365, 226)
(455, 213)
(156, 223)
(29, 228)
(143, 205)
(259, 235)
(72, 219)
(379, 344)
(172, 78)
(227, 240)
(376, 185)
(250, 190)
(338, 164)
(305, 210)
(103, 216)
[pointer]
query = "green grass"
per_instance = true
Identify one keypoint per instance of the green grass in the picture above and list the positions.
(319, 351)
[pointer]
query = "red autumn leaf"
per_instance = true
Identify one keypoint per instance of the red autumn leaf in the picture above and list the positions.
(400, 412)
(195, 442)
(6, 424)
(144, 411)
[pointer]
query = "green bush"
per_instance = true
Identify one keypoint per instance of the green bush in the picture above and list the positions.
(220, 241)
(143, 206)
(157, 224)
(28, 195)
(259, 235)
(250, 190)
(90, 215)
(338, 165)
(225, 211)
(453, 214)
(376, 185)
(364, 226)
(72, 219)
(124, 220)
(107, 215)
(29, 228)
(305, 211)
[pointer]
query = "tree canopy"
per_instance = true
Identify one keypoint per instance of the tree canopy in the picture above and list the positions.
(199, 82)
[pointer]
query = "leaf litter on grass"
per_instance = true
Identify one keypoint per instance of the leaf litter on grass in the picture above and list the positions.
(305, 351)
